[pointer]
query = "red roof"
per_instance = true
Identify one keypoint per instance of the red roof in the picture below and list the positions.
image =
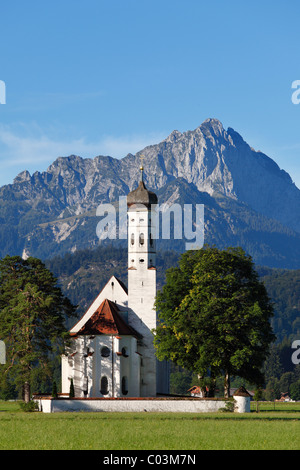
(107, 321)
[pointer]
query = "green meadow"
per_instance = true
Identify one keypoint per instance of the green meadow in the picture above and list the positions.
(269, 429)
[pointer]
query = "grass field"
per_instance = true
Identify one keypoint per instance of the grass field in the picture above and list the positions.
(268, 429)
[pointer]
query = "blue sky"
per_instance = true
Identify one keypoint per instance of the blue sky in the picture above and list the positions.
(110, 77)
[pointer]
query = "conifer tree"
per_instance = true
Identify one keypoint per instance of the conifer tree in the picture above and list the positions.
(54, 389)
(33, 312)
(72, 391)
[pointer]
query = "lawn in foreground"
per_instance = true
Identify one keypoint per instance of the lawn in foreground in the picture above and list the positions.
(148, 431)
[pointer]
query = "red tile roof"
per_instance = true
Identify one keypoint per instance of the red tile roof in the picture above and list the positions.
(107, 321)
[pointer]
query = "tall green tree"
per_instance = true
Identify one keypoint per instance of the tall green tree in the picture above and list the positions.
(33, 312)
(214, 315)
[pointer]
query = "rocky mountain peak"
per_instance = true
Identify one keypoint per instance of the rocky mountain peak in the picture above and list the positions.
(214, 125)
(21, 177)
(208, 164)
(173, 136)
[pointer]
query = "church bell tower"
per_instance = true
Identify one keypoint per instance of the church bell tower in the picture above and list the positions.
(142, 279)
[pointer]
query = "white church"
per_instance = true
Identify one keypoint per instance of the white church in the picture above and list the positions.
(112, 353)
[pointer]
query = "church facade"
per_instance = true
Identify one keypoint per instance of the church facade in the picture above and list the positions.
(111, 352)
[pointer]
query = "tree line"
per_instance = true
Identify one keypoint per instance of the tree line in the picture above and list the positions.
(216, 319)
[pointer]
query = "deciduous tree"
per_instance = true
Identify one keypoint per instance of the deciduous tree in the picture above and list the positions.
(214, 315)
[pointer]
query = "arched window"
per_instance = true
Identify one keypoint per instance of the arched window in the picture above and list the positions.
(142, 239)
(132, 239)
(124, 385)
(105, 352)
(104, 385)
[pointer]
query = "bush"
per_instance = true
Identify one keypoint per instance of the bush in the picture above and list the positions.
(29, 406)
(295, 390)
(229, 406)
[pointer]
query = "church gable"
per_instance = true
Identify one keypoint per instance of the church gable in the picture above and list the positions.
(114, 291)
(107, 320)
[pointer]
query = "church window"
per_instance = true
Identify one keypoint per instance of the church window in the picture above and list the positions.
(124, 352)
(104, 385)
(132, 239)
(141, 220)
(86, 352)
(141, 260)
(142, 239)
(105, 352)
(124, 385)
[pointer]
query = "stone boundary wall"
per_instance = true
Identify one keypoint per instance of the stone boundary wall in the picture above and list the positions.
(185, 405)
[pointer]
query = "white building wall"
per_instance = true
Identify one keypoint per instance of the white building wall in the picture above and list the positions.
(135, 370)
(135, 405)
(242, 404)
(105, 366)
(87, 366)
(129, 367)
(65, 374)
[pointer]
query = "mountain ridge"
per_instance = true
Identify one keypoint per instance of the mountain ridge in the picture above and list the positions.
(53, 210)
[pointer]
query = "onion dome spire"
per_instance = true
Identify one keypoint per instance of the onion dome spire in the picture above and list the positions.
(141, 195)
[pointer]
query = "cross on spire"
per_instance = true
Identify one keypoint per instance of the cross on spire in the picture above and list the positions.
(142, 167)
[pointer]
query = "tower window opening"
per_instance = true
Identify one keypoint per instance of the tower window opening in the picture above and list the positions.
(142, 239)
(132, 239)
(142, 260)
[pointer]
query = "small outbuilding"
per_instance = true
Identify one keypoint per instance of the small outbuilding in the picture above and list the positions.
(242, 398)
